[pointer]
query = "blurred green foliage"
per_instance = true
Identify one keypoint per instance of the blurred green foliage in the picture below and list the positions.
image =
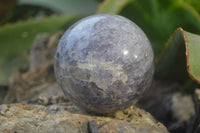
(17, 38)
(71, 7)
(175, 56)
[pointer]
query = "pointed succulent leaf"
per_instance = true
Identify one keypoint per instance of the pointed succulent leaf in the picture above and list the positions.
(64, 6)
(112, 6)
(168, 61)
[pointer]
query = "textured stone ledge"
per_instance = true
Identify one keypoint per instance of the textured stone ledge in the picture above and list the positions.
(24, 118)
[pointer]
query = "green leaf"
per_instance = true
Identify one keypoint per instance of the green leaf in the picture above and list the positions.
(17, 38)
(193, 55)
(112, 6)
(180, 43)
(65, 6)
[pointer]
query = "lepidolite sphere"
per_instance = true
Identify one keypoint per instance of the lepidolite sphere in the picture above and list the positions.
(104, 63)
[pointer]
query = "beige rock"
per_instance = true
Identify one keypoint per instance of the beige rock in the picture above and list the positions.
(23, 118)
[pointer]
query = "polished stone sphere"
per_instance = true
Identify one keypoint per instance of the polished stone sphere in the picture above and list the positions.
(104, 63)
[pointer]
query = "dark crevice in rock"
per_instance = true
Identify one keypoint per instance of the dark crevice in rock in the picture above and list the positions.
(194, 123)
(89, 127)
(3, 92)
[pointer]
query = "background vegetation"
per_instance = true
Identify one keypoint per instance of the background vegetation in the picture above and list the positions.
(172, 26)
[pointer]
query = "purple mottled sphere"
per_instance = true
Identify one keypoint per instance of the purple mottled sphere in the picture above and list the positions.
(104, 63)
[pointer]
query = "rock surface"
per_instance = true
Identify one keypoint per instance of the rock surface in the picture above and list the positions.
(27, 86)
(23, 118)
(169, 104)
